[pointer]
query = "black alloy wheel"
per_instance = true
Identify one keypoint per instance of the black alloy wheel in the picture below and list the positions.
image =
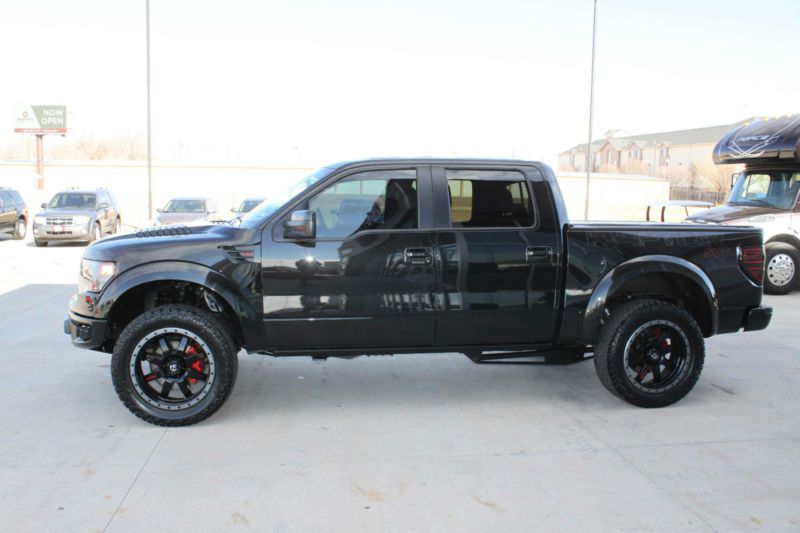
(174, 365)
(650, 353)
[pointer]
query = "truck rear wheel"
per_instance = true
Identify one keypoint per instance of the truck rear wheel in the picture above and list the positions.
(650, 353)
(174, 365)
(780, 272)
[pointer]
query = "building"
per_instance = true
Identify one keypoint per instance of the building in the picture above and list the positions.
(682, 156)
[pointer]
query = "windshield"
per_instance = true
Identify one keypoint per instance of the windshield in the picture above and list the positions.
(766, 188)
(185, 206)
(73, 200)
(249, 205)
(279, 196)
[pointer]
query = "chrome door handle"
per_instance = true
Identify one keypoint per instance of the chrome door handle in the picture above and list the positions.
(418, 256)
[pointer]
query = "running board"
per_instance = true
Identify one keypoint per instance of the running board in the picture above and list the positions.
(566, 357)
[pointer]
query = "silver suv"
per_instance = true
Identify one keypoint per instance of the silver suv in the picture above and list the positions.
(77, 215)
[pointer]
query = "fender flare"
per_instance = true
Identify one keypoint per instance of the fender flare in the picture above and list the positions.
(251, 325)
(625, 272)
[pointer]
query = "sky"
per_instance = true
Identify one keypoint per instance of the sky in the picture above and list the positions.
(310, 81)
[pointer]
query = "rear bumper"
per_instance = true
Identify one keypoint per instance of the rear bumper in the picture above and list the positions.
(757, 318)
(85, 332)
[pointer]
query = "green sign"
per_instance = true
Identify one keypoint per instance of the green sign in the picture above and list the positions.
(42, 119)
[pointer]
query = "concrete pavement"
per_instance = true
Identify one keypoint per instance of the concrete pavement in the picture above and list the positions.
(403, 443)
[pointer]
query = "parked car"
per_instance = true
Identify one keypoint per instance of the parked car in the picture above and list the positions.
(187, 211)
(247, 205)
(766, 194)
(77, 215)
(13, 213)
(406, 256)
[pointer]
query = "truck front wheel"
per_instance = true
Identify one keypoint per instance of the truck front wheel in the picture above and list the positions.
(174, 365)
(650, 353)
(780, 273)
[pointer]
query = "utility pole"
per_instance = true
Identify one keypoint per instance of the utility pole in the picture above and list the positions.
(40, 161)
(149, 143)
(589, 158)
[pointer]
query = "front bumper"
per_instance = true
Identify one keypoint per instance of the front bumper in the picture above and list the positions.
(757, 318)
(89, 333)
(69, 232)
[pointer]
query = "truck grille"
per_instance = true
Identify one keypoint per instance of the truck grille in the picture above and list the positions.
(60, 221)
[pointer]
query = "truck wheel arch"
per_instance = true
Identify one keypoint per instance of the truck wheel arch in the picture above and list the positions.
(139, 281)
(669, 271)
(786, 238)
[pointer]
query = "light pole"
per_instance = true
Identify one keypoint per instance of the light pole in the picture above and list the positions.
(589, 158)
(149, 144)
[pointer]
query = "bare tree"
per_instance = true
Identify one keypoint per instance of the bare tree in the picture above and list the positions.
(713, 177)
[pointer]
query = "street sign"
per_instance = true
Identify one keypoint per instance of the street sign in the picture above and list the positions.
(42, 119)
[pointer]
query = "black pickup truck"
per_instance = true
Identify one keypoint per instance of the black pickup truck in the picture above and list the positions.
(406, 256)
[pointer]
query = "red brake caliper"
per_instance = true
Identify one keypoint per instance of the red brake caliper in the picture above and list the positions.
(198, 365)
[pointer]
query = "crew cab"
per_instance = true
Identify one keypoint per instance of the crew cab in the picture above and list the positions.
(405, 256)
(766, 193)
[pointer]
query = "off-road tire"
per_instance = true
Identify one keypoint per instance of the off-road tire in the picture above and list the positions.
(609, 354)
(20, 229)
(780, 248)
(201, 323)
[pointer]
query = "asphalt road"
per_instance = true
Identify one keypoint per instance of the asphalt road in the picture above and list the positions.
(404, 443)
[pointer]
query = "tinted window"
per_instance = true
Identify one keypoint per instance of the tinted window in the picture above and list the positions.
(489, 199)
(104, 199)
(374, 200)
(5, 199)
(768, 189)
(72, 200)
(185, 206)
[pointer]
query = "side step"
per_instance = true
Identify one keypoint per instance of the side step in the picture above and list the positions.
(556, 357)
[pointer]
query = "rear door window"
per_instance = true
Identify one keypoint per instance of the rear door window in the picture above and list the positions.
(489, 199)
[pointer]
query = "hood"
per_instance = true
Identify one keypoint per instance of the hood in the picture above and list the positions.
(196, 244)
(181, 218)
(65, 212)
(732, 213)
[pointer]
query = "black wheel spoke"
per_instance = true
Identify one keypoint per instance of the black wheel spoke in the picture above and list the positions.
(184, 386)
(154, 359)
(642, 374)
(194, 374)
(192, 360)
(165, 389)
(656, 373)
(152, 376)
(662, 339)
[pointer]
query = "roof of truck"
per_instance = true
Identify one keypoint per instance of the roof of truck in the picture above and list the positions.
(429, 161)
(762, 140)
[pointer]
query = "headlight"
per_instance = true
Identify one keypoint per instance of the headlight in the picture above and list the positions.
(38, 220)
(94, 275)
(80, 220)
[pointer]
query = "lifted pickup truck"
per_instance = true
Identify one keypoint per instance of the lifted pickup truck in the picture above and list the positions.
(766, 194)
(407, 256)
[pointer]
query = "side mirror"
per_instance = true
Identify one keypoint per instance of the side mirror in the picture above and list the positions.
(302, 225)
(159, 210)
(44, 205)
(104, 206)
(234, 210)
